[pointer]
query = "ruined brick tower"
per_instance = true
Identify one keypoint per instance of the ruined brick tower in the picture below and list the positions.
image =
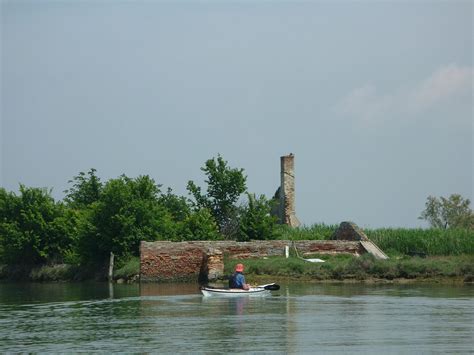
(286, 192)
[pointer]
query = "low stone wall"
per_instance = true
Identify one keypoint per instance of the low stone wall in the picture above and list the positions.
(162, 261)
(166, 261)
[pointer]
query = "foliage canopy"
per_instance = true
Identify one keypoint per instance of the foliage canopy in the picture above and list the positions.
(33, 227)
(127, 212)
(224, 187)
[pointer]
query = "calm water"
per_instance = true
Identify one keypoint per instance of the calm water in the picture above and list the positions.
(175, 318)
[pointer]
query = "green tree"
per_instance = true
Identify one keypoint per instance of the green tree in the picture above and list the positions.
(200, 225)
(197, 224)
(451, 212)
(224, 187)
(85, 190)
(127, 212)
(178, 206)
(256, 222)
(34, 228)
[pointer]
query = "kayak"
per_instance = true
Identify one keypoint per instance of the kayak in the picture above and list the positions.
(262, 290)
(253, 291)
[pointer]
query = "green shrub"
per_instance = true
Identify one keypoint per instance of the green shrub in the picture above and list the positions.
(59, 272)
(34, 228)
(128, 268)
(199, 225)
(256, 223)
(71, 257)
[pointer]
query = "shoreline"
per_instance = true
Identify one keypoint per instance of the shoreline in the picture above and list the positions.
(336, 269)
(266, 278)
(262, 279)
(454, 280)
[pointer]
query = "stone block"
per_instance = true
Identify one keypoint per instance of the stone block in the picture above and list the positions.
(349, 231)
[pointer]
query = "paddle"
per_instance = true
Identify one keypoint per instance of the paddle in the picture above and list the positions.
(271, 287)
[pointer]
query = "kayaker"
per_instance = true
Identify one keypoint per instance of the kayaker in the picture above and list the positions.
(237, 280)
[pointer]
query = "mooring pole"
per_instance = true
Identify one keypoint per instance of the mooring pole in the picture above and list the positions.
(111, 267)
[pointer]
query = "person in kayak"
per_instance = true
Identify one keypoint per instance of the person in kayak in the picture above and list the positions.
(237, 280)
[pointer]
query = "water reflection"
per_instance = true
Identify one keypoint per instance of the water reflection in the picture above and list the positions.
(231, 305)
(246, 324)
(168, 289)
(21, 293)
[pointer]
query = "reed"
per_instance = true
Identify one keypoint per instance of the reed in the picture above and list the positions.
(424, 241)
(396, 241)
(315, 232)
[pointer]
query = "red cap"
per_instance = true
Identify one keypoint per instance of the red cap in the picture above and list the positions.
(239, 267)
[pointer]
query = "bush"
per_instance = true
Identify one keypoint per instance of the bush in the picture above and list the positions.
(199, 225)
(34, 228)
(60, 272)
(127, 269)
(256, 223)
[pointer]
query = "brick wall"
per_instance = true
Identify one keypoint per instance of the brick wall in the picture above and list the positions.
(171, 261)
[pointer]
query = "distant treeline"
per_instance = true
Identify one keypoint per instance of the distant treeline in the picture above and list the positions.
(96, 218)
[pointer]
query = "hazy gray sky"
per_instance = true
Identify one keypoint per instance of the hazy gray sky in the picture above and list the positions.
(375, 99)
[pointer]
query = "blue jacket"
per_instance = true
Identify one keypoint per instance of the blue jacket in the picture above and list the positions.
(237, 280)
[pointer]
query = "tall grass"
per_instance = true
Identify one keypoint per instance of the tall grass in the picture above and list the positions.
(428, 241)
(315, 232)
(398, 240)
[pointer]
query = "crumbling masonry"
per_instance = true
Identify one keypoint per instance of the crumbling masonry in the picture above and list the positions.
(285, 194)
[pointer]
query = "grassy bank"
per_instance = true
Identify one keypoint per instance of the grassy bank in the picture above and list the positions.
(346, 267)
(336, 267)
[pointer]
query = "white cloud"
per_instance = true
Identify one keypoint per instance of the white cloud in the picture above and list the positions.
(368, 105)
(365, 102)
(443, 84)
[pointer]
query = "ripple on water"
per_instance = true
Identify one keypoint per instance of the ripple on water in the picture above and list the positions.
(295, 320)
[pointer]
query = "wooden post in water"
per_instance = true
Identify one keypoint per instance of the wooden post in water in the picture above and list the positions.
(111, 267)
(111, 290)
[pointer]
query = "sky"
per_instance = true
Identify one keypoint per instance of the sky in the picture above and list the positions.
(374, 98)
